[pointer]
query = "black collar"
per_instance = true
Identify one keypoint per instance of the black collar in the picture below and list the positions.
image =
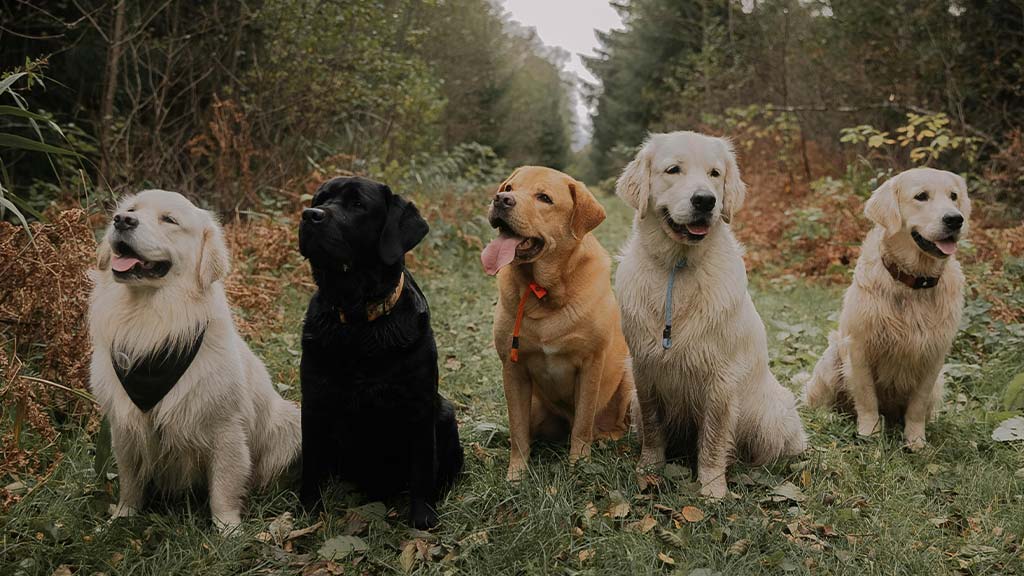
(152, 377)
(913, 282)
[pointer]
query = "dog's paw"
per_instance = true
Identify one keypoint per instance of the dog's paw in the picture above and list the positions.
(916, 443)
(515, 472)
(583, 453)
(121, 511)
(868, 425)
(716, 489)
(422, 516)
(228, 524)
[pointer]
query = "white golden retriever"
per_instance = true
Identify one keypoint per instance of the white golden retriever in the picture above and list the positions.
(705, 387)
(902, 311)
(188, 402)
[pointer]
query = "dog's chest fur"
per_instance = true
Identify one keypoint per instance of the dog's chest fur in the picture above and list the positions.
(903, 330)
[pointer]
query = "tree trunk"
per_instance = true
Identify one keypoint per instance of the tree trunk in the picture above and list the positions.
(110, 89)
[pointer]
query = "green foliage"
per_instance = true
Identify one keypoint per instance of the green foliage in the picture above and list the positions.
(925, 137)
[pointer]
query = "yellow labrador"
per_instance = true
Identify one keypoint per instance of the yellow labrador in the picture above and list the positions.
(901, 312)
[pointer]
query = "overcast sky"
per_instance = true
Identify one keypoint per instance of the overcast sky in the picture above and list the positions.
(568, 24)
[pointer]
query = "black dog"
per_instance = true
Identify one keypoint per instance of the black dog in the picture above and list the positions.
(371, 412)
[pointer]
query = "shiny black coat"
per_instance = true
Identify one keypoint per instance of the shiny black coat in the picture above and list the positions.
(371, 411)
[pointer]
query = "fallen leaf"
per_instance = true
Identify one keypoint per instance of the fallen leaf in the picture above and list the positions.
(670, 538)
(304, 531)
(341, 546)
(265, 537)
(692, 514)
(589, 511)
(62, 570)
(281, 527)
(619, 508)
(1009, 430)
(475, 538)
(586, 555)
(452, 363)
(738, 547)
(788, 491)
(666, 559)
(408, 557)
(643, 526)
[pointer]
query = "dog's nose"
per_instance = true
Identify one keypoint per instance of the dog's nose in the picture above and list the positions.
(313, 215)
(504, 200)
(125, 222)
(953, 220)
(703, 201)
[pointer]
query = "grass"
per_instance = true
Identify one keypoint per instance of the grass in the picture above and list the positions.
(848, 506)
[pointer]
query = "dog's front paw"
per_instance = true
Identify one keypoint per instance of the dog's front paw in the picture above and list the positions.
(515, 471)
(228, 524)
(716, 489)
(916, 443)
(120, 510)
(581, 453)
(868, 425)
(422, 516)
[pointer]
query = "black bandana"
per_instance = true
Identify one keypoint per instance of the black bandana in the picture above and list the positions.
(150, 379)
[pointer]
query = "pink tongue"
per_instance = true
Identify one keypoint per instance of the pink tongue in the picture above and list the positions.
(124, 263)
(697, 230)
(947, 246)
(499, 253)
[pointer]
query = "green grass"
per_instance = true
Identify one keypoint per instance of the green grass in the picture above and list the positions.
(863, 506)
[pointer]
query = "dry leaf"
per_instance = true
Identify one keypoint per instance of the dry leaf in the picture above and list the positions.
(589, 511)
(619, 508)
(692, 514)
(738, 547)
(62, 570)
(407, 559)
(586, 555)
(666, 559)
(643, 526)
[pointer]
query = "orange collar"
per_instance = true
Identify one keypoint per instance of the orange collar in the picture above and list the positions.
(539, 293)
(382, 308)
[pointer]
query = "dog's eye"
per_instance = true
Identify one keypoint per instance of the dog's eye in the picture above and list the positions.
(545, 198)
(356, 204)
(953, 196)
(921, 196)
(168, 219)
(672, 170)
(714, 173)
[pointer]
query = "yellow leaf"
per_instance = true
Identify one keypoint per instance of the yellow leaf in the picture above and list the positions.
(693, 514)
(666, 559)
(408, 557)
(586, 555)
(643, 526)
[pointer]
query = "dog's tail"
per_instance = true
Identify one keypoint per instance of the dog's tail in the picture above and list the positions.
(823, 388)
(280, 439)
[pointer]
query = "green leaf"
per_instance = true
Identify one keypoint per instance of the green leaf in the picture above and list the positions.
(15, 111)
(341, 546)
(1013, 396)
(22, 143)
(6, 82)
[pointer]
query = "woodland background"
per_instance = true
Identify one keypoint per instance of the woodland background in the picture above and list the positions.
(246, 106)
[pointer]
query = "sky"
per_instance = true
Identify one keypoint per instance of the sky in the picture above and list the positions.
(568, 24)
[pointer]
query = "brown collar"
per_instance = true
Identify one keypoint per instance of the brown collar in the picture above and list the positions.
(911, 281)
(382, 308)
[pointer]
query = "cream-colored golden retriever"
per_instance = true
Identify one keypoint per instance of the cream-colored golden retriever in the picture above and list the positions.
(903, 308)
(188, 402)
(703, 384)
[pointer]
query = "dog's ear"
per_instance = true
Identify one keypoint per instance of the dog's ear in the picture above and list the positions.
(103, 254)
(962, 199)
(883, 208)
(634, 185)
(587, 212)
(214, 262)
(404, 228)
(735, 189)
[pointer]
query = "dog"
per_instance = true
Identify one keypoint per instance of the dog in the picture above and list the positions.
(903, 308)
(565, 364)
(187, 401)
(700, 354)
(371, 411)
